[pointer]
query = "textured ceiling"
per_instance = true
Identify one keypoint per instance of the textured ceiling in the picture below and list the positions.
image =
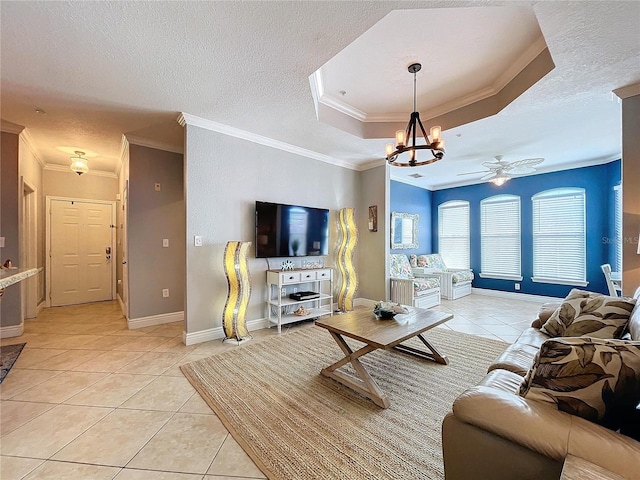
(101, 69)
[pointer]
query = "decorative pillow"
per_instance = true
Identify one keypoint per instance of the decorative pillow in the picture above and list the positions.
(588, 313)
(589, 377)
(399, 266)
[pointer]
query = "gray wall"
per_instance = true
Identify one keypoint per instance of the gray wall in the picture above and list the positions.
(153, 216)
(11, 302)
(72, 185)
(373, 247)
(630, 193)
(224, 176)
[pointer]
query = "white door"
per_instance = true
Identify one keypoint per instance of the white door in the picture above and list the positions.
(81, 252)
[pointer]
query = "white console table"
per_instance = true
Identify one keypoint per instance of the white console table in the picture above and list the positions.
(282, 283)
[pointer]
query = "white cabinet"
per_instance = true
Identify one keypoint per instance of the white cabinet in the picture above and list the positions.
(281, 284)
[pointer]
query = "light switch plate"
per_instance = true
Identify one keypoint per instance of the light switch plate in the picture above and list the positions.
(165, 242)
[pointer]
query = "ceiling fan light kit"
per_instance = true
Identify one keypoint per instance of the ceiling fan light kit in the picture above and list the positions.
(500, 172)
(406, 139)
(79, 164)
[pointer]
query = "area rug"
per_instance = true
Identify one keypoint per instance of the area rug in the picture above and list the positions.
(296, 424)
(8, 356)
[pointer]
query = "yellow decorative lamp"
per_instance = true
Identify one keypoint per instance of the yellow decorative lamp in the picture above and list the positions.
(347, 245)
(236, 270)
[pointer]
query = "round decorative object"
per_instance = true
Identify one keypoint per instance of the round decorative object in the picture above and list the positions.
(387, 310)
(287, 265)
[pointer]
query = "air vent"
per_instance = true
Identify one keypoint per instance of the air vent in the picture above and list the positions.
(416, 175)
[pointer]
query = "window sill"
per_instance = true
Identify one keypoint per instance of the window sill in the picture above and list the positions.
(559, 281)
(498, 276)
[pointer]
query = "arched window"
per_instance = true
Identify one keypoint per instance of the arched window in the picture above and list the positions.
(559, 236)
(453, 233)
(500, 237)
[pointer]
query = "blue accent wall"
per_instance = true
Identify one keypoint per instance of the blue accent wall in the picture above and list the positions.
(406, 198)
(598, 182)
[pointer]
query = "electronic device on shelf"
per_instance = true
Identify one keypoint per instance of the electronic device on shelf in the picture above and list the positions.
(299, 296)
(291, 230)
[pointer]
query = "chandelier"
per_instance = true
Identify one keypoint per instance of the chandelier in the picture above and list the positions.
(406, 139)
(79, 164)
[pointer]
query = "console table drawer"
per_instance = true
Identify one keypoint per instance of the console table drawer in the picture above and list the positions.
(324, 274)
(290, 277)
(308, 276)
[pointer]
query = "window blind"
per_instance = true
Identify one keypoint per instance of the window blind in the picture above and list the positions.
(617, 192)
(500, 236)
(559, 247)
(453, 233)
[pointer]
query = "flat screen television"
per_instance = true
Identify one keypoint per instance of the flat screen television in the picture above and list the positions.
(291, 230)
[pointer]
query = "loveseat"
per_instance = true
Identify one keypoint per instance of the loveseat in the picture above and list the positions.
(495, 433)
(454, 282)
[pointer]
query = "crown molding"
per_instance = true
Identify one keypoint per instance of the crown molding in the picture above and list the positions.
(124, 148)
(514, 69)
(9, 127)
(145, 142)
(628, 91)
(31, 145)
(188, 119)
(97, 173)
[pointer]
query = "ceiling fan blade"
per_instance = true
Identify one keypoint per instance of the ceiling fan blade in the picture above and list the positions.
(490, 176)
(472, 173)
(526, 163)
(521, 170)
(493, 164)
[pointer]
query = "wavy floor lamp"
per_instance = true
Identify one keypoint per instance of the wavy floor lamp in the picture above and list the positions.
(239, 281)
(348, 240)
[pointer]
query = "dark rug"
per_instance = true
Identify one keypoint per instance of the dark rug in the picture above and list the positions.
(8, 356)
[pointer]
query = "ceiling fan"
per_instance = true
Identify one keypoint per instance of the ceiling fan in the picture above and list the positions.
(500, 171)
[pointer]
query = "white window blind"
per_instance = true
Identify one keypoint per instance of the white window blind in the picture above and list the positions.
(559, 247)
(453, 233)
(500, 237)
(617, 192)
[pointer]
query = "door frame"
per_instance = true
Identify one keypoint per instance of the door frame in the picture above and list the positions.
(29, 245)
(112, 228)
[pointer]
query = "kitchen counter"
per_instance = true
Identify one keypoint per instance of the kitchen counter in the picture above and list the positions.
(9, 276)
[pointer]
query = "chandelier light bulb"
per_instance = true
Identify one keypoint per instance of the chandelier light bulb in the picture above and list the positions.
(400, 138)
(388, 149)
(435, 133)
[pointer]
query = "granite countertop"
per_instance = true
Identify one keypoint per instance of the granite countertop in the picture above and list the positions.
(9, 276)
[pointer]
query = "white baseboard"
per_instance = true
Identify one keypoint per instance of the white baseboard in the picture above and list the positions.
(41, 306)
(134, 323)
(12, 331)
(217, 332)
(527, 297)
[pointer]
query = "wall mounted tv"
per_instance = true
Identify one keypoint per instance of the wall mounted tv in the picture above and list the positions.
(291, 230)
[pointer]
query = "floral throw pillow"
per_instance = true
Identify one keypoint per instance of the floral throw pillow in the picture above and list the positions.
(587, 313)
(592, 378)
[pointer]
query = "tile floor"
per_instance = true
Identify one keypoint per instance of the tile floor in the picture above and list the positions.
(90, 399)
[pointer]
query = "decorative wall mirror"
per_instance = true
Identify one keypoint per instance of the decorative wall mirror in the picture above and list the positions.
(404, 230)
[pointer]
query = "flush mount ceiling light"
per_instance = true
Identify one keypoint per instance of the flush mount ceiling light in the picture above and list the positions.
(406, 139)
(79, 164)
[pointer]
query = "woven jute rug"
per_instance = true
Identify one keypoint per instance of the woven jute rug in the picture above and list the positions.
(296, 424)
(8, 356)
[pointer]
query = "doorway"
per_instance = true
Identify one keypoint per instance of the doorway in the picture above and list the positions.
(29, 247)
(80, 246)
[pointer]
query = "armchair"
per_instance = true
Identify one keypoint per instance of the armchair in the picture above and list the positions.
(408, 290)
(454, 283)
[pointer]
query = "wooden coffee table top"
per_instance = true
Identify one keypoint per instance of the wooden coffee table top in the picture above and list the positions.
(361, 324)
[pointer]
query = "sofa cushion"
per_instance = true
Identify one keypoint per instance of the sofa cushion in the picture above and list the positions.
(399, 266)
(502, 380)
(532, 336)
(460, 277)
(592, 314)
(593, 378)
(421, 285)
(633, 328)
(516, 358)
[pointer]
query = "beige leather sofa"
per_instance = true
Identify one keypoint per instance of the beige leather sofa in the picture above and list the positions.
(494, 434)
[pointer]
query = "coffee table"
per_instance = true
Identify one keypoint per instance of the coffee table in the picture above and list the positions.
(362, 325)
